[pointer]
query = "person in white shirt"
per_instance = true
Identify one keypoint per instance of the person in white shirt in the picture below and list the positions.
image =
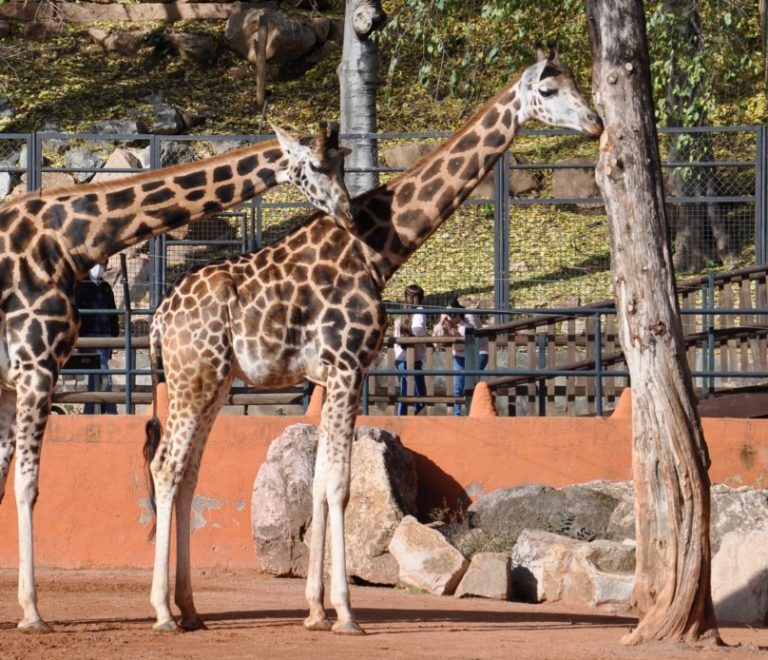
(455, 324)
(411, 325)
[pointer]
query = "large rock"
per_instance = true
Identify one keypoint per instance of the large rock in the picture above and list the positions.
(573, 182)
(488, 576)
(425, 558)
(382, 492)
(118, 42)
(287, 38)
(281, 505)
(527, 558)
(736, 509)
(740, 578)
(116, 127)
(732, 509)
(194, 47)
(119, 159)
(597, 574)
(576, 511)
(79, 158)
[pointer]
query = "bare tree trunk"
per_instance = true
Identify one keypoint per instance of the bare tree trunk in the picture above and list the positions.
(359, 82)
(670, 458)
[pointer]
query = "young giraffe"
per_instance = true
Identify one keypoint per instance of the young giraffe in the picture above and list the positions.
(309, 307)
(50, 239)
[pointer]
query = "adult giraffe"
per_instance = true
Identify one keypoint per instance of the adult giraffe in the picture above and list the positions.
(309, 307)
(49, 240)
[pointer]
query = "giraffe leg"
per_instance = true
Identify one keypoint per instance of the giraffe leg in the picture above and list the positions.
(31, 416)
(315, 591)
(167, 471)
(7, 436)
(190, 619)
(331, 491)
(181, 450)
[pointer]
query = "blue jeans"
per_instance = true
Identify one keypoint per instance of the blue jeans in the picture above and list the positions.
(98, 383)
(420, 386)
(460, 379)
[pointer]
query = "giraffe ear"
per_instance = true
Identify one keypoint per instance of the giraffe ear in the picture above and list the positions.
(344, 151)
(286, 140)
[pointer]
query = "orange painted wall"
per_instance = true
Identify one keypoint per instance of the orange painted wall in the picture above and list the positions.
(92, 508)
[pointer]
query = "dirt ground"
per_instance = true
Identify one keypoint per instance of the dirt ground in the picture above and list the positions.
(105, 614)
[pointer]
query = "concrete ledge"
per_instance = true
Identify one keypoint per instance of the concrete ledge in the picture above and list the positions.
(92, 510)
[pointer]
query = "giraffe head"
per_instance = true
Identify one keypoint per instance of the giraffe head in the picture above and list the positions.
(548, 93)
(316, 167)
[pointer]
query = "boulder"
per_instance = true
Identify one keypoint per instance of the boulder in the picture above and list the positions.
(118, 42)
(382, 492)
(116, 127)
(119, 159)
(597, 574)
(281, 505)
(79, 158)
(287, 38)
(175, 152)
(732, 509)
(740, 578)
(6, 184)
(194, 47)
(425, 558)
(736, 509)
(523, 182)
(572, 182)
(527, 557)
(575, 511)
(166, 120)
(488, 576)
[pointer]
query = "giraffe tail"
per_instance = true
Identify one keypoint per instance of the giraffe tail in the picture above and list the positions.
(153, 429)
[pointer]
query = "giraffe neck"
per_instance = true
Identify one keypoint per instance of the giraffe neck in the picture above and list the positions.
(94, 221)
(395, 219)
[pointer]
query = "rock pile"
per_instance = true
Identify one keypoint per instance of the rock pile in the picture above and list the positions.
(534, 543)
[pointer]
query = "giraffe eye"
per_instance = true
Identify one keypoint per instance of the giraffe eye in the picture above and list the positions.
(546, 92)
(317, 169)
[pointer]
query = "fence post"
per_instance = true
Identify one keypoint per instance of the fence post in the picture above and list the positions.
(501, 231)
(130, 361)
(541, 350)
(34, 163)
(471, 362)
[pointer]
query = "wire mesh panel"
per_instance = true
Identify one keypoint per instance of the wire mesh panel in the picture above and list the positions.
(533, 235)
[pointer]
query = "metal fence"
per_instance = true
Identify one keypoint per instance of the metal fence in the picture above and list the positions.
(534, 237)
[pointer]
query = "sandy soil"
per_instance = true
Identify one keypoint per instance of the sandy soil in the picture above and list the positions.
(106, 615)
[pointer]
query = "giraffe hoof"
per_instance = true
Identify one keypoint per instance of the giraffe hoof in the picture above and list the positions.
(192, 623)
(166, 626)
(322, 623)
(347, 628)
(36, 626)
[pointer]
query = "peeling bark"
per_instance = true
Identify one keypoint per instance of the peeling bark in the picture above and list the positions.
(670, 458)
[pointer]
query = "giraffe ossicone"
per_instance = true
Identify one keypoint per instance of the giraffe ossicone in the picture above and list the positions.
(309, 307)
(50, 239)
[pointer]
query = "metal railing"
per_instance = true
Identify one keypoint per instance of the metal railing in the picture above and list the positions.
(739, 165)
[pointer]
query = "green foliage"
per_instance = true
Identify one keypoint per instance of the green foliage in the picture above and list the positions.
(466, 49)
